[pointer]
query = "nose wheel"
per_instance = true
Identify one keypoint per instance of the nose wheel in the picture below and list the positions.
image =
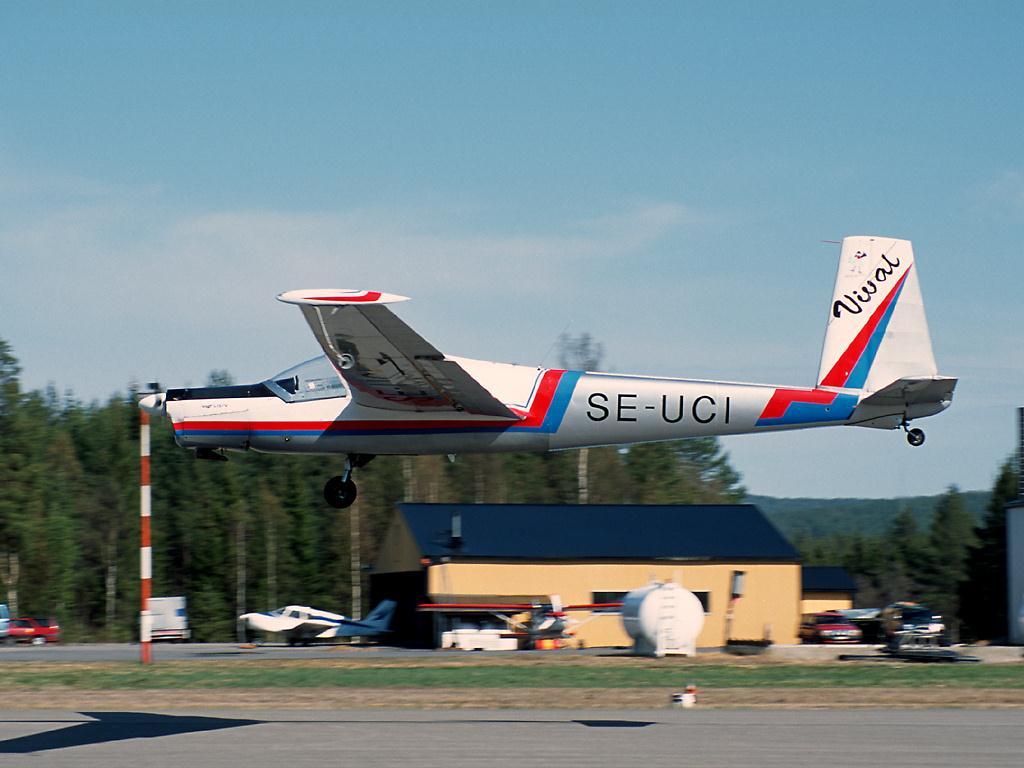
(915, 436)
(340, 492)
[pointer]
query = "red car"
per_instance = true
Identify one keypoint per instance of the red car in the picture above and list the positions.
(828, 627)
(35, 631)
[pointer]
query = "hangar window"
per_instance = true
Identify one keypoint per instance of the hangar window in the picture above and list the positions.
(617, 597)
(599, 598)
(705, 600)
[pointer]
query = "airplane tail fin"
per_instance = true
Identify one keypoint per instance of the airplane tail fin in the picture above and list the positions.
(877, 332)
(877, 338)
(381, 615)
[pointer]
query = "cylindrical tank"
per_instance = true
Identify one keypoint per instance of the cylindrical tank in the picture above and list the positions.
(663, 618)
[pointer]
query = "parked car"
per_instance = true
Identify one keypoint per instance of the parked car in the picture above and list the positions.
(5, 622)
(901, 619)
(828, 627)
(27, 629)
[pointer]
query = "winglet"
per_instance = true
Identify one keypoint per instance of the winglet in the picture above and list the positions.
(338, 296)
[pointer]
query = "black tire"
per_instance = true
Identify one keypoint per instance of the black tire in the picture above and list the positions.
(915, 437)
(339, 493)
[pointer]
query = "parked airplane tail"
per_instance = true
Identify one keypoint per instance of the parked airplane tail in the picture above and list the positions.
(381, 615)
(877, 338)
(376, 623)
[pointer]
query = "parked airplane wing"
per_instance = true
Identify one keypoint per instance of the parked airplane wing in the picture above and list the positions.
(385, 362)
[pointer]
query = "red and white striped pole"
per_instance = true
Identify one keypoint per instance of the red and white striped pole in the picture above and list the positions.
(146, 551)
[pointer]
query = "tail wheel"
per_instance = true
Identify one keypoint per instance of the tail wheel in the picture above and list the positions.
(915, 437)
(340, 492)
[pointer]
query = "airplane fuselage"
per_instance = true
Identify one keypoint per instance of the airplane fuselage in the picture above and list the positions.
(557, 410)
(381, 388)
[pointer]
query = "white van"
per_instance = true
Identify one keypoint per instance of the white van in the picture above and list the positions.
(170, 620)
(5, 622)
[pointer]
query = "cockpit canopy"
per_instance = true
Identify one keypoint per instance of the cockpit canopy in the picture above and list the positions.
(314, 379)
(289, 612)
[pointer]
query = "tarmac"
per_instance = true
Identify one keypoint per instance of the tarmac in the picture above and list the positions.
(270, 738)
(93, 652)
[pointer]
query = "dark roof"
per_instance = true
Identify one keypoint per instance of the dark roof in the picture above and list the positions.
(826, 578)
(609, 532)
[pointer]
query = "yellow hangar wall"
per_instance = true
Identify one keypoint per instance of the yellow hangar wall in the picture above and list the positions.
(771, 601)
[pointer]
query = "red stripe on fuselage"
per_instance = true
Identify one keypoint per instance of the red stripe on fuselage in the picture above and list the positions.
(783, 398)
(532, 418)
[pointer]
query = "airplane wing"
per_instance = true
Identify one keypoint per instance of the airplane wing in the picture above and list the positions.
(385, 362)
(511, 607)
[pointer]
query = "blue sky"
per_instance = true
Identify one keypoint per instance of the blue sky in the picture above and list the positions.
(658, 174)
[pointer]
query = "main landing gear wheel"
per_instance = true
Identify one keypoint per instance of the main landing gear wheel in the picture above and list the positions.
(915, 437)
(340, 492)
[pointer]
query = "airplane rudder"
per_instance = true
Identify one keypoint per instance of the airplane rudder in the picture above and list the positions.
(382, 612)
(876, 326)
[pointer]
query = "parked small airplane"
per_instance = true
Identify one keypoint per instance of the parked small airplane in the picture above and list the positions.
(302, 624)
(547, 619)
(380, 388)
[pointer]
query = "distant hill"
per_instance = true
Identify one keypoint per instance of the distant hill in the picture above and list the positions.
(823, 517)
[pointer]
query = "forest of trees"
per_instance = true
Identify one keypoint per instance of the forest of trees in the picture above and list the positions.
(254, 532)
(956, 565)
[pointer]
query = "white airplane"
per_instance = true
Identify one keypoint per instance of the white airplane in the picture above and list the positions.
(548, 619)
(302, 624)
(380, 388)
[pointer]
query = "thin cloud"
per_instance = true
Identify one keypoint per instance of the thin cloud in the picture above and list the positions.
(127, 266)
(1003, 195)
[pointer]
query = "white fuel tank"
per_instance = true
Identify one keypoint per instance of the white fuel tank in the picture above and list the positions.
(663, 618)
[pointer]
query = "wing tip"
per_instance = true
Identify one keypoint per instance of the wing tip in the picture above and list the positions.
(338, 297)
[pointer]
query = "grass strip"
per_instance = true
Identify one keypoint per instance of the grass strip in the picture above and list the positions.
(242, 675)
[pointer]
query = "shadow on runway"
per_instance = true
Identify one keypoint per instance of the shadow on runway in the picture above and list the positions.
(614, 723)
(106, 727)
(117, 726)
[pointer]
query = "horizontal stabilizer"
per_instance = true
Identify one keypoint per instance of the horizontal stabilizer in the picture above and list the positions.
(904, 399)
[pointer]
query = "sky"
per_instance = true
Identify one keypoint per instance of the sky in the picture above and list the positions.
(659, 175)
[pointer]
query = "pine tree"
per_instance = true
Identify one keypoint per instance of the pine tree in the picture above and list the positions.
(950, 540)
(909, 558)
(983, 592)
(15, 492)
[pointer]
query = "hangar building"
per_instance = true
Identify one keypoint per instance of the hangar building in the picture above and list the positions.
(1015, 570)
(511, 553)
(826, 588)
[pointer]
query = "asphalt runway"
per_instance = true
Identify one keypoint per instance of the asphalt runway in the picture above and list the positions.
(87, 652)
(271, 738)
